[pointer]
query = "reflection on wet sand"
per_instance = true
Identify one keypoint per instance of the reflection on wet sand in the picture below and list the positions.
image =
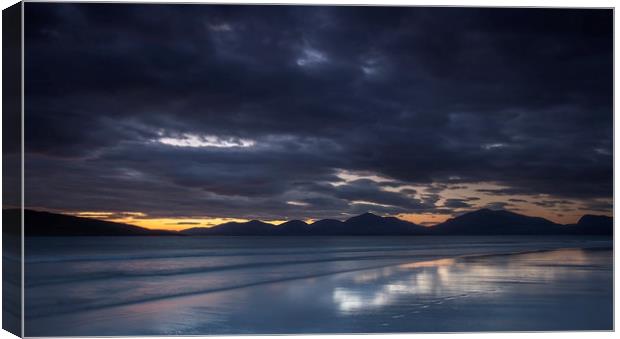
(568, 289)
(435, 281)
(353, 299)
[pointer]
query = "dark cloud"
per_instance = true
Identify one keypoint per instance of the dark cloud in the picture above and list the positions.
(552, 203)
(456, 203)
(518, 97)
(497, 205)
(600, 206)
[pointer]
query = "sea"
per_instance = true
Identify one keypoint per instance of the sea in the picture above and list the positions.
(174, 285)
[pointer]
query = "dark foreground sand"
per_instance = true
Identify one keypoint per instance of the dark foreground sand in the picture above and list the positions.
(550, 290)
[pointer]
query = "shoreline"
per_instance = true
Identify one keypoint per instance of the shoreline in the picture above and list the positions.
(377, 298)
(326, 274)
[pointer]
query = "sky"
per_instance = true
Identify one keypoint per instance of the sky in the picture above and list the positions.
(173, 116)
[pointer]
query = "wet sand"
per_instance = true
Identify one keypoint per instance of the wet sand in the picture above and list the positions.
(550, 290)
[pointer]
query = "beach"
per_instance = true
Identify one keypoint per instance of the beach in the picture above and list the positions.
(263, 285)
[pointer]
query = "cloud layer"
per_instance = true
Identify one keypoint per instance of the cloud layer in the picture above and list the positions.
(235, 111)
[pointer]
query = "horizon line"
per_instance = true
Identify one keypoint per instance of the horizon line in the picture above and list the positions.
(274, 224)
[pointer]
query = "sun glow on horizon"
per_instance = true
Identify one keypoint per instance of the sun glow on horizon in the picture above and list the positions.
(424, 219)
(180, 223)
(171, 224)
(572, 212)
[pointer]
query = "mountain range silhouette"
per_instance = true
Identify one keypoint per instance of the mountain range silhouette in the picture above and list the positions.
(480, 222)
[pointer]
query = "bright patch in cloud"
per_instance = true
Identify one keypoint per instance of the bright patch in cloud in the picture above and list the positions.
(297, 203)
(105, 215)
(349, 176)
(311, 57)
(602, 151)
(193, 140)
(224, 27)
(365, 202)
(493, 146)
(370, 66)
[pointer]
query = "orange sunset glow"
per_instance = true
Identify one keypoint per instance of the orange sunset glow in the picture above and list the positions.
(181, 223)
(172, 224)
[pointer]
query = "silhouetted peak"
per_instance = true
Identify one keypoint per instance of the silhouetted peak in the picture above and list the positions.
(326, 221)
(487, 212)
(41, 223)
(488, 221)
(365, 217)
(368, 214)
(294, 222)
(293, 227)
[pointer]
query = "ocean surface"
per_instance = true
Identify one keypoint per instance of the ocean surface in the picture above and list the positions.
(100, 286)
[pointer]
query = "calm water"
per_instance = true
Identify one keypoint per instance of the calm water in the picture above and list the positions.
(227, 285)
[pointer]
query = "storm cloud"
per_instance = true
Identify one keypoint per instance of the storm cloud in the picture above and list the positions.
(279, 112)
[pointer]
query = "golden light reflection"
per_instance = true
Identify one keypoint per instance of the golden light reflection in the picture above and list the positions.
(430, 263)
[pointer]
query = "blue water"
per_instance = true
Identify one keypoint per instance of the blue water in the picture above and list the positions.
(227, 285)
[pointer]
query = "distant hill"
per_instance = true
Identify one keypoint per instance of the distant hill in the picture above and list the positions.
(38, 223)
(499, 222)
(293, 227)
(496, 222)
(481, 222)
(365, 224)
(253, 227)
(326, 226)
(593, 225)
